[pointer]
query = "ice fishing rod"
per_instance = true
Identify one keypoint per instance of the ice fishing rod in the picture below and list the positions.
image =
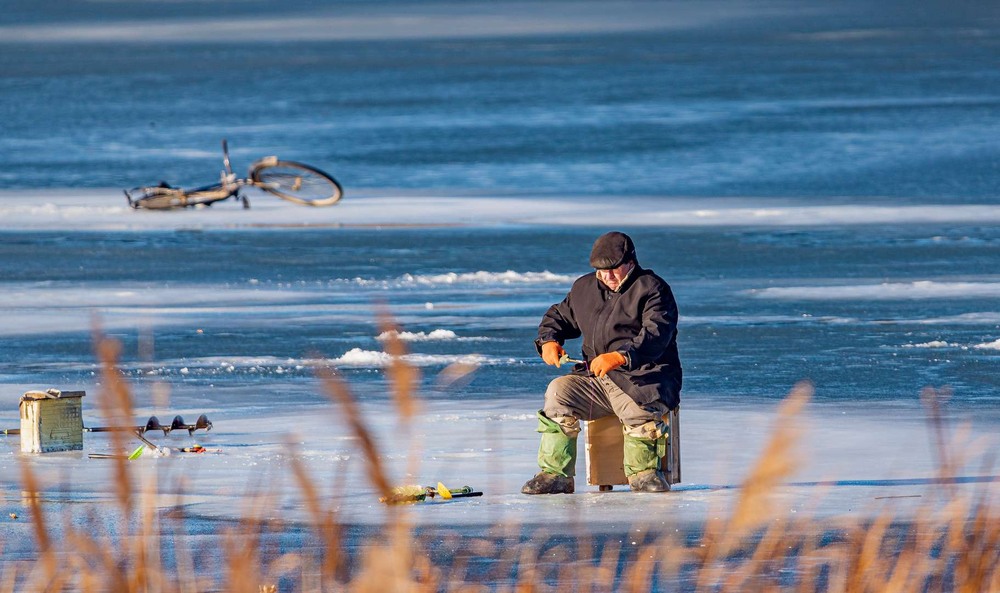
(411, 494)
(566, 359)
(202, 423)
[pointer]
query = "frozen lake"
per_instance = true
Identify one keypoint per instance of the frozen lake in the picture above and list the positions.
(817, 184)
(221, 311)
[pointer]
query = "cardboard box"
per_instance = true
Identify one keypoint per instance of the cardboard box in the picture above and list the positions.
(604, 445)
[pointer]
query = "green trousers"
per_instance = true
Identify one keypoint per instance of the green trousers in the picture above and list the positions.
(556, 451)
(643, 454)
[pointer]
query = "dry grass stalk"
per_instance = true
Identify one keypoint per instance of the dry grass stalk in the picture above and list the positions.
(338, 392)
(427, 574)
(607, 567)
(754, 506)
(774, 466)
(528, 577)
(115, 403)
(146, 576)
(674, 554)
(187, 581)
(948, 467)
(404, 378)
(769, 552)
(915, 561)
(866, 567)
(9, 580)
(639, 575)
(455, 375)
(395, 560)
(809, 563)
(97, 564)
(47, 562)
(978, 563)
(388, 566)
(324, 519)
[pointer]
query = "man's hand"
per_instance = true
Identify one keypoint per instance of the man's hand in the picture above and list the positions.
(552, 352)
(606, 363)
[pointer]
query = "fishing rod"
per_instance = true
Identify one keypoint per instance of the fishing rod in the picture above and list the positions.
(566, 359)
(411, 494)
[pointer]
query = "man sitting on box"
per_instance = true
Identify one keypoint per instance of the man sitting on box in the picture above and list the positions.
(627, 317)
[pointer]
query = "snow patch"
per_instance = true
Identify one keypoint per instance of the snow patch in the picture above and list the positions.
(931, 344)
(482, 277)
(438, 334)
(923, 289)
(432, 336)
(358, 357)
(104, 209)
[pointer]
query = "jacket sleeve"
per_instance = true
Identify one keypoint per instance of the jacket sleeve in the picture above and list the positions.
(558, 324)
(659, 329)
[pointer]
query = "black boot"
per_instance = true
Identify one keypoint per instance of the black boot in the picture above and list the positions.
(546, 483)
(650, 480)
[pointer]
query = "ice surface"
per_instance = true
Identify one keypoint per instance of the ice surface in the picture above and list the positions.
(233, 337)
(924, 289)
(491, 447)
(442, 20)
(864, 259)
(106, 210)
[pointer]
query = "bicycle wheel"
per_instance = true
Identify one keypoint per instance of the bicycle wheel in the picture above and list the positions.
(296, 182)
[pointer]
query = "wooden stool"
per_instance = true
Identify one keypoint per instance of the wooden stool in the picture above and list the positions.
(605, 445)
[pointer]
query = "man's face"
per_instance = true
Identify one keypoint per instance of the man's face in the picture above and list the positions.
(614, 277)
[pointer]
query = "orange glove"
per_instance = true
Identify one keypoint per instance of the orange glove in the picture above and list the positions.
(606, 363)
(552, 352)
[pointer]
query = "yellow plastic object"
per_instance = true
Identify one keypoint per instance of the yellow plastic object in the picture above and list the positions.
(443, 491)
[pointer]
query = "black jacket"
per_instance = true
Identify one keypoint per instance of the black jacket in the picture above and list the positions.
(640, 321)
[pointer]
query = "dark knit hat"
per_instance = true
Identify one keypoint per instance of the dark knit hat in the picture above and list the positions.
(612, 250)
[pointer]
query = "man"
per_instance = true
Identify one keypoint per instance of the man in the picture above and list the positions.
(627, 317)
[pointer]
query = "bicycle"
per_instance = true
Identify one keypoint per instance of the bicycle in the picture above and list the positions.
(289, 180)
